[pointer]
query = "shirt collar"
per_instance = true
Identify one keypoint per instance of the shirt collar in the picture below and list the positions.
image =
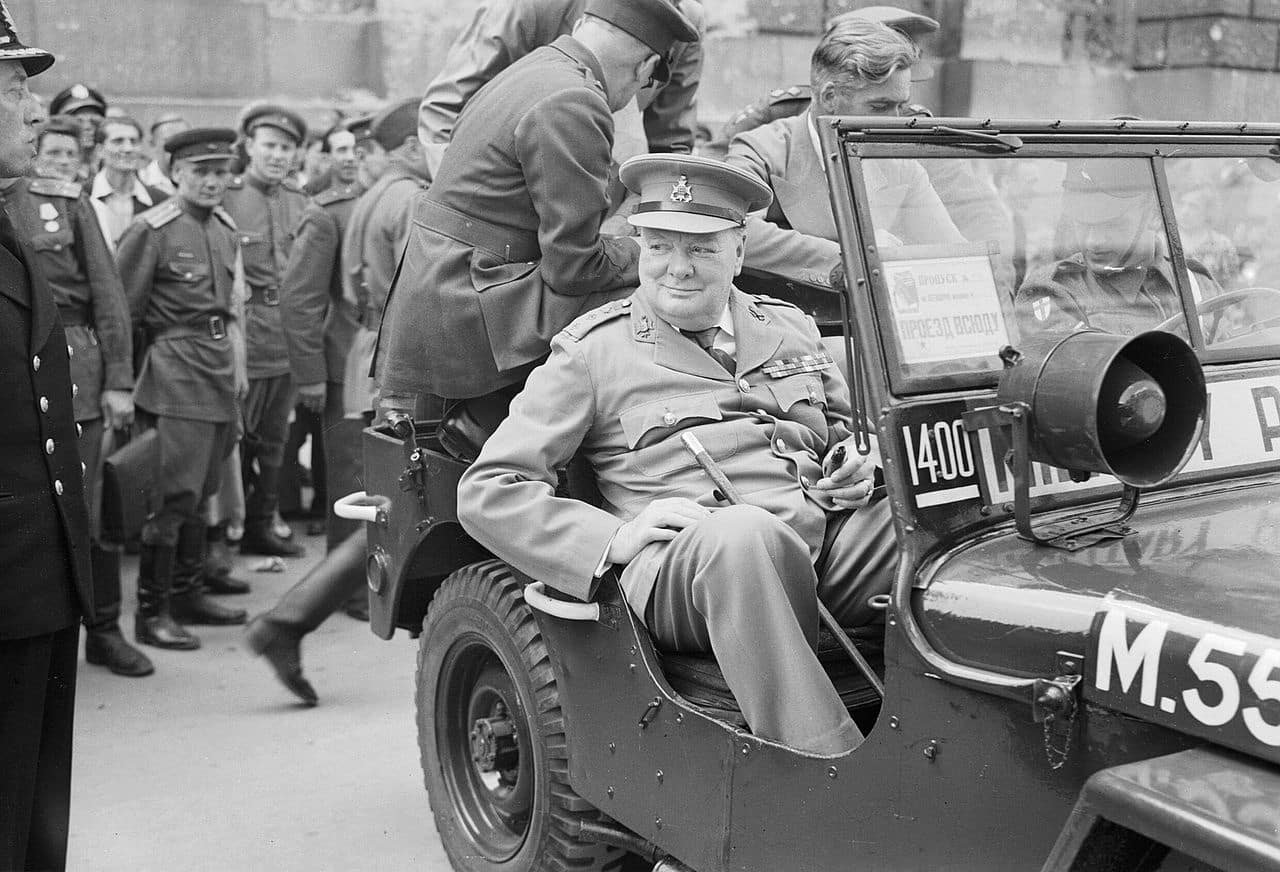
(102, 189)
(725, 323)
(813, 137)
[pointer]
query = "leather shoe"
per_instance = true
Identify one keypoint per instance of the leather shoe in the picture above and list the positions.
(225, 585)
(108, 648)
(162, 631)
(193, 607)
(262, 539)
(281, 645)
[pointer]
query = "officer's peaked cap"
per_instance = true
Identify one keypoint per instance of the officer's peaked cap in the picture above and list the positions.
(393, 125)
(287, 121)
(656, 23)
(76, 98)
(201, 144)
(912, 24)
(691, 194)
(34, 60)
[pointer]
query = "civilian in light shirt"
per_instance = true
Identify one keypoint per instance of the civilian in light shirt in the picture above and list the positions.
(118, 193)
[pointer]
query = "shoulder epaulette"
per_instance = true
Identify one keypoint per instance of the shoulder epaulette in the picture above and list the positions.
(336, 195)
(236, 183)
(159, 216)
(788, 95)
(225, 217)
(762, 300)
(55, 188)
(588, 321)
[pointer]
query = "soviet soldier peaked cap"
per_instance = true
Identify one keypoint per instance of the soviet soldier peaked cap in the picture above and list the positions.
(201, 144)
(34, 60)
(690, 194)
(287, 121)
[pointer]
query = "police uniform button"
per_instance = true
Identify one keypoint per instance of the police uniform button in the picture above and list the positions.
(83, 468)
(744, 385)
(48, 446)
(782, 446)
(669, 419)
(79, 430)
(75, 389)
(57, 487)
(44, 404)
(35, 363)
(71, 352)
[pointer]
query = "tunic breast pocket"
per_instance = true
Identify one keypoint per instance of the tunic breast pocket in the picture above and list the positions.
(803, 399)
(59, 241)
(652, 431)
(256, 248)
(188, 270)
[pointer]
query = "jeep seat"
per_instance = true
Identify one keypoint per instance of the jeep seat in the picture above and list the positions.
(468, 424)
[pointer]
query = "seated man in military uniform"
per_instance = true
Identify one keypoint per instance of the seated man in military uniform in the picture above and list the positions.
(1119, 276)
(689, 353)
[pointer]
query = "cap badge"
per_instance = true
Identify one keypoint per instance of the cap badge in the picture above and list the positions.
(80, 92)
(682, 191)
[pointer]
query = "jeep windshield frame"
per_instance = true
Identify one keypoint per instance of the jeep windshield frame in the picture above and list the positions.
(1095, 168)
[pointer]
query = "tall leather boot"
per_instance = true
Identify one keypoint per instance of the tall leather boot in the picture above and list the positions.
(154, 624)
(218, 563)
(277, 634)
(189, 603)
(260, 536)
(104, 644)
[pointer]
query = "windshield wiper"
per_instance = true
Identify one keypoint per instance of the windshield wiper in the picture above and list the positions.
(998, 141)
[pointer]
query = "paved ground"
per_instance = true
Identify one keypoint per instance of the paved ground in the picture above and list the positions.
(209, 766)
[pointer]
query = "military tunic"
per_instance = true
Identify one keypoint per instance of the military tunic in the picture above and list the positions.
(506, 247)
(59, 222)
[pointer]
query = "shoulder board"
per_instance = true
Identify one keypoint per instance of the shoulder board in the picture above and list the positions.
(762, 300)
(787, 95)
(159, 216)
(336, 195)
(55, 188)
(225, 217)
(236, 183)
(585, 323)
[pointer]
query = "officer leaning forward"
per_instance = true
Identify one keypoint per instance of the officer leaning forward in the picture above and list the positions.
(266, 210)
(180, 264)
(57, 218)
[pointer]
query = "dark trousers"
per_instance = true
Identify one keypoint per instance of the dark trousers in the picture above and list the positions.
(37, 707)
(343, 463)
(306, 425)
(266, 427)
(105, 561)
(191, 456)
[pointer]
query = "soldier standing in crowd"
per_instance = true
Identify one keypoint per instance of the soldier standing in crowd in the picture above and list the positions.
(372, 156)
(117, 192)
(156, 173)
(88, 107)
(181, 269)
(45, 580)
(56, 218)
(506, 246)
(375, 239)
(321, 326)
(58, 149)
(266, 209)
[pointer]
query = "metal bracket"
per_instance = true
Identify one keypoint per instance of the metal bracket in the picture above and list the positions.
(1071, 534)
(1054, 702)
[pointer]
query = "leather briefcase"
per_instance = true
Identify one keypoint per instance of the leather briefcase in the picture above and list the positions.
(128, 475)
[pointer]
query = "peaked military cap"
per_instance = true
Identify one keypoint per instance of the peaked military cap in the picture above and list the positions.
(201, 144)
(1099, 189)
(78, 98)
(396, 123)
(361, 127)
(165, 118)
(690, 194)
(656, 23)
(911, 24)
(34, 60)
(287, 121)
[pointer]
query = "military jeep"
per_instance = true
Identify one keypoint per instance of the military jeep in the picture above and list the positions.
(1079, 664)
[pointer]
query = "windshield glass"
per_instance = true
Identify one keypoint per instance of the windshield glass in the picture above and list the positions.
(982, 253)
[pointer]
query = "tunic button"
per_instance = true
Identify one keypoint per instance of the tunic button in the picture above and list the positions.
(744, 385)
(669, 419)
(782, 446)
(79, 430)
(57, 487)
(48, 446)
(35, 363)
(71, 352)
(44, 404)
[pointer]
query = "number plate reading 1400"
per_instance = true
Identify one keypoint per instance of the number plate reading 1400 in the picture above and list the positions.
(1193, 676)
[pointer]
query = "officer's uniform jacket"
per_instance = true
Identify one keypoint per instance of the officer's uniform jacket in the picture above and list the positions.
(504, 31)
(266, 218)
(506, 247)
(795, 236)
(179, 270)
(61, 227)
(45, 580)
(371, 248)
(1066, 296)
(624, 385)
(318, 324)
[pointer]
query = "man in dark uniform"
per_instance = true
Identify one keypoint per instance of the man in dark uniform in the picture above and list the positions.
(56, 218)
(45, 579)
(690, 354)
(88, 107)
(374, 240)
(266, 209)
(181, 268)
(506, 246)
(1118, 276)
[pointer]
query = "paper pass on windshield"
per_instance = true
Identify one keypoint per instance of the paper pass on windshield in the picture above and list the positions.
(785, 366)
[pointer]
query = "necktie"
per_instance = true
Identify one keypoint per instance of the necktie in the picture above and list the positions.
(706, 338)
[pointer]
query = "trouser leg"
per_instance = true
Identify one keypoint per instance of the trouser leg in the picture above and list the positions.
(740, 585)
(325, 588)
(266, 411)
(858, 561)
(47, 845)
(344, 464)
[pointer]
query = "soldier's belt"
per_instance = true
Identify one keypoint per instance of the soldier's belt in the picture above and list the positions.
(508, 243)
(268, 296)
(215, 327)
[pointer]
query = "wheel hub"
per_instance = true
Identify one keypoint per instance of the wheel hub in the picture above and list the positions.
(493, 742)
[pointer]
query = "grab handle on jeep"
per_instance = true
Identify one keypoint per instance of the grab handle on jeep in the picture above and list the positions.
(535, 595)
(357, 507)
